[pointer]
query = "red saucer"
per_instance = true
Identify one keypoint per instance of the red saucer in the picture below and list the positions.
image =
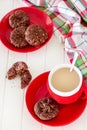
(36, 17)
(67, 113)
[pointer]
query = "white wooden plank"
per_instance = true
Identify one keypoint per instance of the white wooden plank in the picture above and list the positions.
(52, 128)
(55, 53)
(3, 63)
(5, 7)
(28, 122)
(17, 4)
(12, 108)
(36, 63)
(13, 97)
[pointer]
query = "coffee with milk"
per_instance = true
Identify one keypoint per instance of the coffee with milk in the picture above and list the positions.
(65, 80)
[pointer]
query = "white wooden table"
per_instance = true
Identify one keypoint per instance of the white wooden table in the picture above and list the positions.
(13, 111)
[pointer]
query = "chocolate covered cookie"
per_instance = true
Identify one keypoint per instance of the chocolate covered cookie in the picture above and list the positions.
(46, 108)
(19, 18)
(17, 37)
(36, 35)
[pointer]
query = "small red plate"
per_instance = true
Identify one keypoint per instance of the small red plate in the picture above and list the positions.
(67, 113)
(36, 17)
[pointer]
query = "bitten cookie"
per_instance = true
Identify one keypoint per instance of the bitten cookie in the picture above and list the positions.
(36, 35)
(11, 74)
(25, 78)
(20, 68)
(46, 108)
(17, 37)
(19, 18)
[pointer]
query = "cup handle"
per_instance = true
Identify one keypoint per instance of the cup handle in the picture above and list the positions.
(84, 93)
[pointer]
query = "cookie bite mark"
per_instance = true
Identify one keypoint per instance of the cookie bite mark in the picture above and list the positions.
(20, 68)
(19, 18)
(46, 108)
(11, 74)
(36, 35)
(25, 79)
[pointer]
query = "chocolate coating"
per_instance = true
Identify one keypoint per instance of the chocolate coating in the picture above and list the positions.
(46, 108)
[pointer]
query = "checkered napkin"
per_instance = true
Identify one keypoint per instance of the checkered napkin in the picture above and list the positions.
(66, 16)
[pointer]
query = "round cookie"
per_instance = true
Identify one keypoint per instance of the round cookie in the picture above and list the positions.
(19, 18)
(17, 37)
(46, 108)
(36, 35)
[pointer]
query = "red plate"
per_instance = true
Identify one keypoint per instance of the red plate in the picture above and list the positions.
(36, 17)
(67, 113)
